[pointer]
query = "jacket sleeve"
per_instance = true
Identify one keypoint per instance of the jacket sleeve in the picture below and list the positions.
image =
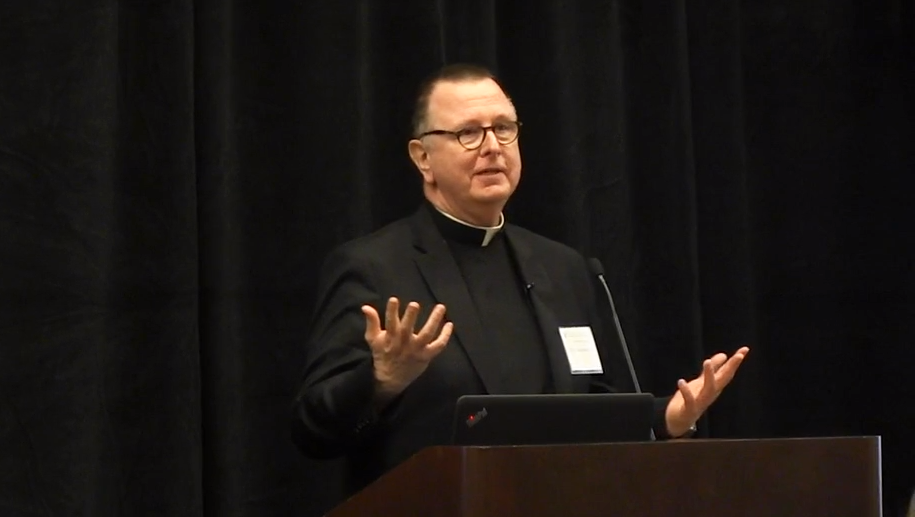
(332, 409)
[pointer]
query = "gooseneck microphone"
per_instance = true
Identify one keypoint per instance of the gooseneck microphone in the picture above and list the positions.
(598, 270)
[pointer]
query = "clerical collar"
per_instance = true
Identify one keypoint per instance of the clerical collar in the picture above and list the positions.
(461, 231)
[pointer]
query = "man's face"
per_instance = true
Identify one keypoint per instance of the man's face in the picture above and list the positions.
(473, 185)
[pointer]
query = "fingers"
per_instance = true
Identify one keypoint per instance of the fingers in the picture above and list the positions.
(726, 373)
(709, 382)
(408, 323)
(372, 323)
(689, 401)
(435, 347)
(432, 325)
(392, 315)
(708, 371)
(721, 361)
(717, 372)
(401, 329)
(717, 360)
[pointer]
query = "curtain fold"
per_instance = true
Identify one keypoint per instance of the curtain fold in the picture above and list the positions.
(100, 372)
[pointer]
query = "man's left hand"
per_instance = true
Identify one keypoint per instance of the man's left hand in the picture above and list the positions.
(693, 398)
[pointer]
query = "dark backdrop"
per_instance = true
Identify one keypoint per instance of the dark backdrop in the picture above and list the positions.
(172, 173)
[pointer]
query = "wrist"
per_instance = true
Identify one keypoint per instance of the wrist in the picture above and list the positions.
(681, 431)
(677, 426)
(691, 430)
(385, 391)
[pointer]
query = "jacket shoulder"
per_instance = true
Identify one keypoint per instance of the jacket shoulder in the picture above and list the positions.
(387, 242)
(545, 244)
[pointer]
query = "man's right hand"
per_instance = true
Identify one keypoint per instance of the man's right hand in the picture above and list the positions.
(399, 354)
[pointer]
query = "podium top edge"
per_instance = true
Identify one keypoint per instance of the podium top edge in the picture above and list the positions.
(705, 441)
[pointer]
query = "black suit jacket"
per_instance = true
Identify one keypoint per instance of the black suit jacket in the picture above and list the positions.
(411, 260)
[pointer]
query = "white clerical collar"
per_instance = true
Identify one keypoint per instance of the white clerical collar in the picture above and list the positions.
(490, 231)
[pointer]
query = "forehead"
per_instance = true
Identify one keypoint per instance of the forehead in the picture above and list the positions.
(468, 101)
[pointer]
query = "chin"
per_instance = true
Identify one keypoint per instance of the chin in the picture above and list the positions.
(493, 195)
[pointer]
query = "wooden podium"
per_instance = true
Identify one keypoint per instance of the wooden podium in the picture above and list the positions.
(830, 477)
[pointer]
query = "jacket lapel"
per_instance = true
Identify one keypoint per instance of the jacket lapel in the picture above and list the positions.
(441, 273)
(542, 294)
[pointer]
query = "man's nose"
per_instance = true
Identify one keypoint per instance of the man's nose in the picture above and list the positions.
(490, 142)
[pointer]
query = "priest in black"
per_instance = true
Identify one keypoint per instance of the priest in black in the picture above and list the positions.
(455, 300)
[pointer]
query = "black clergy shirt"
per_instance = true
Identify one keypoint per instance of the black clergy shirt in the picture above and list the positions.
(501, 299)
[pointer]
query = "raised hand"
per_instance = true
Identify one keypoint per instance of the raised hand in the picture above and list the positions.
(400, 354)
(693, 398)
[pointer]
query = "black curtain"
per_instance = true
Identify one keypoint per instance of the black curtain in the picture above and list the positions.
(173, 172)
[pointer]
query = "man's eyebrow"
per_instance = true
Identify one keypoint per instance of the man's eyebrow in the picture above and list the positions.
(475, 121)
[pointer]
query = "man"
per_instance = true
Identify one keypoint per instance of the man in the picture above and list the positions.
(453, 300)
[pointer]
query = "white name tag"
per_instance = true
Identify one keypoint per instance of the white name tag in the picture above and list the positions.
(581, 350)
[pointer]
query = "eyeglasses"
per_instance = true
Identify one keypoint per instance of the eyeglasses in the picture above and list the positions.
(472, 137)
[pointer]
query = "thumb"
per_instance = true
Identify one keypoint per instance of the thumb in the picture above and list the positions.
(372, 323)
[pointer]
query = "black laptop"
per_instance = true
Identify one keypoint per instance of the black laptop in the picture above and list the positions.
(553, 419)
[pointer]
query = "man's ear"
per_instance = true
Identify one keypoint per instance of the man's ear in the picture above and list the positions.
(421, 159)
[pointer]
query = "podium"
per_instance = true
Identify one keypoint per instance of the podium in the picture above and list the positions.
(833, 477)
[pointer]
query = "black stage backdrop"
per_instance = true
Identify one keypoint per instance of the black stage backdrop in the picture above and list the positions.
(173, 172)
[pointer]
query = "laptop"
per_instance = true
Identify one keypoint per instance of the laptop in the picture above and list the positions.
(485, 420)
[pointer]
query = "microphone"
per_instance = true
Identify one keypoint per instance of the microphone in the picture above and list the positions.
(598, 270)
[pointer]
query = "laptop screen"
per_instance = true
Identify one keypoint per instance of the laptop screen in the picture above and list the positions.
(553, 419)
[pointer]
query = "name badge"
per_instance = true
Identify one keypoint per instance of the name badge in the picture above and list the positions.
(581, 350)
